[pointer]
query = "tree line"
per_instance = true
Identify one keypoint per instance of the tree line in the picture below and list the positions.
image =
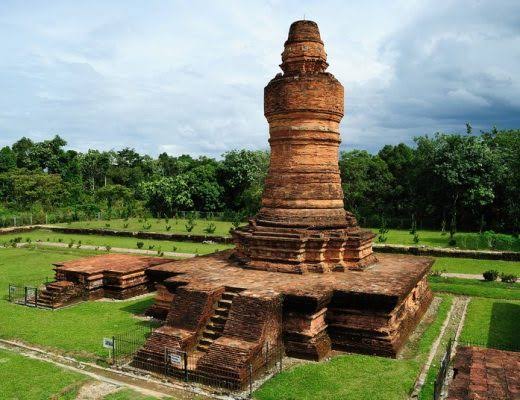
(449, 181)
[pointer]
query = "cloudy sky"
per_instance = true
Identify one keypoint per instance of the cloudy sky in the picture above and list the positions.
(188, 76)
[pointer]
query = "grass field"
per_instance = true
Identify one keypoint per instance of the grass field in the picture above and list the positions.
(76, 330)
(127, 394)
(156, 225)
(472, 287)
(473, 266)
(492, 323)
(44, 235)
(42, 380)
(394, 236)
(355, 376)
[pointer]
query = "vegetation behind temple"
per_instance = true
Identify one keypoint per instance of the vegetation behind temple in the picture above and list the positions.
(466, 181)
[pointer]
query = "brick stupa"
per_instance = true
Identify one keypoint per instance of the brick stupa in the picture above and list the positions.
(226, 310)
(302, 225)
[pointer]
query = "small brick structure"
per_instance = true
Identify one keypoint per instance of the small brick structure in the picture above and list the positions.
(303, 272)
(485, 374)
(117, 276)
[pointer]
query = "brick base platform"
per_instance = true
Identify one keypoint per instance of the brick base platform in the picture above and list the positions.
(228, 315)
(485, 374)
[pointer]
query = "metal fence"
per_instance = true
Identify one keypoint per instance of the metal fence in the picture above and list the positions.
(25, 295)
(183, 366)
(440, 380)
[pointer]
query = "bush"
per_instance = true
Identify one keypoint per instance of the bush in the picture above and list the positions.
(168, 227)
(190, 224)
(209, 229)
(508, 278)
(125, 225)
(107, 248)
(452, 242)
(140, 245)
(491, 275)
(437, 272)
(416, 238)
(71, 243)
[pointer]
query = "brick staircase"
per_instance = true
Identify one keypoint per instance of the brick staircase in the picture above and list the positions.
(58, 294)
(215, 326)
(168, 339)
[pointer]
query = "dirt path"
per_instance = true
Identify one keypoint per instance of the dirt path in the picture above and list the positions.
(463, 276)
(112, 249)
(109, 377)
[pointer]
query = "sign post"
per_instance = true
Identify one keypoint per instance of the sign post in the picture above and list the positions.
(109, 343)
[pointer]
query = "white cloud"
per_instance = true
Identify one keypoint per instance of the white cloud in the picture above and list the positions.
(188, 77)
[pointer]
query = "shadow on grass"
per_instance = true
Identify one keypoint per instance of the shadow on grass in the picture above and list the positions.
(504, 326)
(139, 307)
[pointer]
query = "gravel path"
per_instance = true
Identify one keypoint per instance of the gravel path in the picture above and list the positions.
(112, 249)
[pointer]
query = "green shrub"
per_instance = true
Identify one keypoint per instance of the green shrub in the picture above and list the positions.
(508, 278)
(140, 245)
(125, 225)
(107, 248)
(168, 227)
(491, 275)
(190, 224)
(416, 238)
(71, 243)
(210, 228)
(174, 249)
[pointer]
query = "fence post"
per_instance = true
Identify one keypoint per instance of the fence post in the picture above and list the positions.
(186, 366)
(113, 350)
(250, 380)
(36, 297)
(25, 295)
(281, 357)
(10, 297)
(267, 355)
(14, 221)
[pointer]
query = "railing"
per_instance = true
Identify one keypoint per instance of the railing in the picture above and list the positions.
(24, 295)
(443, 371)
(183, 366)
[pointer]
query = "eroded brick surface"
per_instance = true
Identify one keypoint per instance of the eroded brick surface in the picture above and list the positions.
(118, 276)
(302, 225)
(485, 374)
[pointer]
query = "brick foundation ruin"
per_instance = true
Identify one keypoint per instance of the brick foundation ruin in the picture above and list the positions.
(117, 276)
(303, 273)
(485, 374)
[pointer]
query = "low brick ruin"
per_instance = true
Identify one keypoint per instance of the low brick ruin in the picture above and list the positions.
(485, 374)
(303, 273)
(117, 276)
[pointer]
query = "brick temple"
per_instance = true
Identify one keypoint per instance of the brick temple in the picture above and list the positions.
(116, 276)
(303, 273)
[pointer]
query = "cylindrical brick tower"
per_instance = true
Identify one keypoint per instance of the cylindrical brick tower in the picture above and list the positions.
(302, 224)
(304, 107)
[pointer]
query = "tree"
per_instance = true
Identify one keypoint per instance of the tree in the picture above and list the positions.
(459, 171)
(167, 195)
(242, 174)
(366, 182)
(7, 159)
(113, 193)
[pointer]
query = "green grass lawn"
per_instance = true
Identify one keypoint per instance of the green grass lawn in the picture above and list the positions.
(465, 240)
(492, 323)
(355, 376)
(473, 266)
(394, 236)
(473, 287)
(157, 225)
(44, 235)
(27, 379)
(76, 330)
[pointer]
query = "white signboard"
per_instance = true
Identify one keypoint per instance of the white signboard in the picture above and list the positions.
(175, 359)
(108, 343)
